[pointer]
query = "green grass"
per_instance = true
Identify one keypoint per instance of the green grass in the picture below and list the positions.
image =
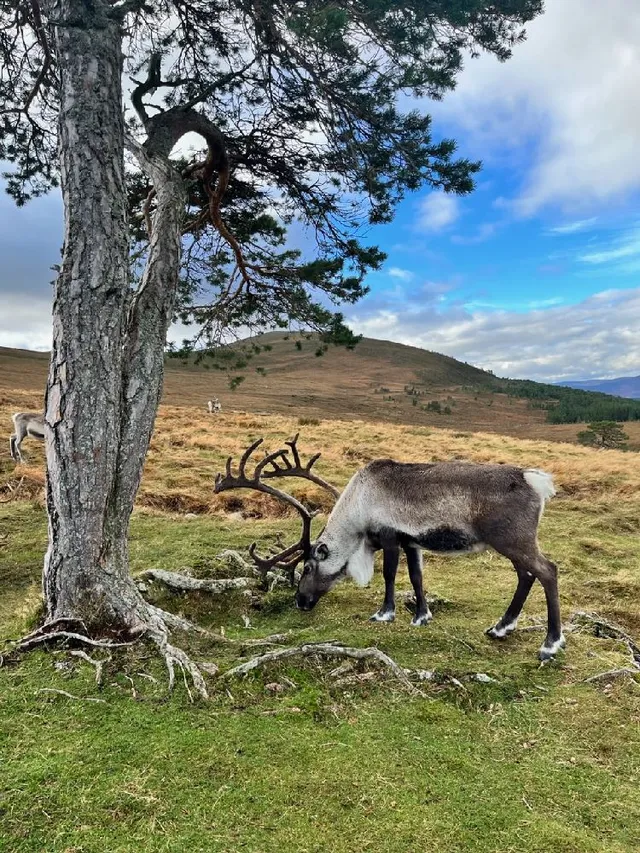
(539, 761)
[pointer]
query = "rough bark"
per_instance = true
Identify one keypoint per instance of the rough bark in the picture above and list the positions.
(83, 420)
(106, 370)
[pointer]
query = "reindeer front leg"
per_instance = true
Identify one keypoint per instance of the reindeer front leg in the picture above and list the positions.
(390, 560)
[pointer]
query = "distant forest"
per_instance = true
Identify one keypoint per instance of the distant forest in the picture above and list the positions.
(568, 405)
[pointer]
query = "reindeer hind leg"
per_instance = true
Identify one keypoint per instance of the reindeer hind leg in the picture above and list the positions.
(14, 445)
(390, 560)
(507, 624)
(414, 563)
(555, 640)
(531, 564)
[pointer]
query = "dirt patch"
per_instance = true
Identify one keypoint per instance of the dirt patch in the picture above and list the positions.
(173, 502)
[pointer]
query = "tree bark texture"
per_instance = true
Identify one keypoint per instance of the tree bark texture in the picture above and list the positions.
(106, 369)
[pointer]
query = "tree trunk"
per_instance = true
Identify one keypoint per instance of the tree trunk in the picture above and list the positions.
(83, 404)
(106, 370)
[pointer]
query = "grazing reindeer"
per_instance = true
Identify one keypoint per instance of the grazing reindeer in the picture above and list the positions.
(448, 508)
(278, 465)
(25, 424)
(214, 406)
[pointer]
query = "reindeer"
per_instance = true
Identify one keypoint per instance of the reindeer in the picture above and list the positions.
(448, 508)
(25, 424)
(214, 406)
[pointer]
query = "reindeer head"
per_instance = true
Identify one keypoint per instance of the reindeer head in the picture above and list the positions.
(319, 576)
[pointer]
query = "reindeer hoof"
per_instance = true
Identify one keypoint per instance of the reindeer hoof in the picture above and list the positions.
(423, 619)
(550, 650)
(499, 631)
(383, 616)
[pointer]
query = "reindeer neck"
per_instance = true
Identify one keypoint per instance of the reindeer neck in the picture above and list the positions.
(347, 521)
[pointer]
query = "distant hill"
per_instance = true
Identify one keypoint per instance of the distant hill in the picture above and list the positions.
(378, 381)
(623, 386)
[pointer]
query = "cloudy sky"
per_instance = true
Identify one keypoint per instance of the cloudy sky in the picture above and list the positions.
(535, 275)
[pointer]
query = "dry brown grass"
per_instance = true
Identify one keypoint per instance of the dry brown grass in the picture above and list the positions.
(190, 447)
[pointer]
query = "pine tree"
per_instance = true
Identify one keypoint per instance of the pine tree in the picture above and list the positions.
(297, 109)
(605, 434)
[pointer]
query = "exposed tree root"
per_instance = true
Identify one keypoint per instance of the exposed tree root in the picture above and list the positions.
(328, 649)
(98, 665)
(51, 636)
(179, 623)
(154, 625)
(603, 628)
(70, 695)
(325, 650)
(174, 656)
(51, 625)
(183, 583)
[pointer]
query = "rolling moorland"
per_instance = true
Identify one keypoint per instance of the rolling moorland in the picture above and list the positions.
(310, 755)
(379, 380)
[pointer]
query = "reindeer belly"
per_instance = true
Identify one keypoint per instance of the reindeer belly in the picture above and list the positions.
(444, 539)
(448, 540)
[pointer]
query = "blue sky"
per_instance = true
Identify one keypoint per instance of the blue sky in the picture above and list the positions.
(537, 273)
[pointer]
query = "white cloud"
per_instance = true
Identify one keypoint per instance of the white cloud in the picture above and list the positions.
(437, 211)
(25, 322)
(573, 227)
(403, 275)
(572, 93)
(594, 338)
(627, 246)
(483, 232)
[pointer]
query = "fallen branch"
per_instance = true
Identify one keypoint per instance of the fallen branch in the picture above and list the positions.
(183, 583)
(70, 695)
(602, 628)
(271, 640)
(325, 650)
(444, 678)
(134, 692)
(612, 674)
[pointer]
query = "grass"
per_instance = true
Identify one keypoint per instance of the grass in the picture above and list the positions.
(292, 757)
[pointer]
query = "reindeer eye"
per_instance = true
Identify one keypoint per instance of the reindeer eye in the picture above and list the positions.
(322, 552)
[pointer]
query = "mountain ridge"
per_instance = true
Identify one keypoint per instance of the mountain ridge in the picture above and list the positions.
(620, 386)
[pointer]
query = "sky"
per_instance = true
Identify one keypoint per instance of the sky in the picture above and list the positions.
(537, 273)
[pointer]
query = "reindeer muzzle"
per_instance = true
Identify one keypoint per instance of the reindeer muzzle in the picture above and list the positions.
(305, 602)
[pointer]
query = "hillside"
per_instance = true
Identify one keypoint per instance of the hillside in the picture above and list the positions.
(622, 386)
(378, 381)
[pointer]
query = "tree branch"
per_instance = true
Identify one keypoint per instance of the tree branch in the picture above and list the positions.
(182, 583)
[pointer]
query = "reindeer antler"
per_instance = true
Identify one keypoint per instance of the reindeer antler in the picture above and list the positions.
(277, 465)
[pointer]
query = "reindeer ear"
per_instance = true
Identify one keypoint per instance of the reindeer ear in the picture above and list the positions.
(322, 552)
